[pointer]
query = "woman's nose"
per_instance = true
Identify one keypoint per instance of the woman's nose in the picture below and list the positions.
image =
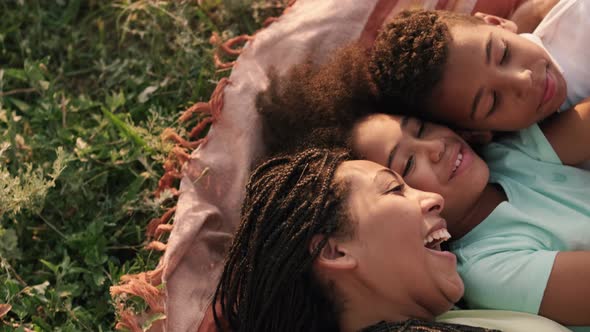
(431, 203)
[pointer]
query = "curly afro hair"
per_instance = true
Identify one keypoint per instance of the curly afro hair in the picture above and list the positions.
(316, 106)
(410, 54)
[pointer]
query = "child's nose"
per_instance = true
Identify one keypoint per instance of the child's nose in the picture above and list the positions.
(520, 82)
(434, 150)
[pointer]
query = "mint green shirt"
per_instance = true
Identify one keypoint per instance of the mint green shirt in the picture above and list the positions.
(506, 260)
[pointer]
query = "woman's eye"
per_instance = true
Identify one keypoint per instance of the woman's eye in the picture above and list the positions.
(398, 189)
(505, 55)
(408, 167)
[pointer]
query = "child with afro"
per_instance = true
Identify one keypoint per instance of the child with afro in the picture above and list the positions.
(476, 73)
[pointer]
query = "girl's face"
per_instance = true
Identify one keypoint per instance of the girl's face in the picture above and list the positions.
(396, 240)
(429, 157)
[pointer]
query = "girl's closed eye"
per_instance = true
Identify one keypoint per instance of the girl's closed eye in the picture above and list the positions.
(409, 166)
(411, 161)
(421, 129)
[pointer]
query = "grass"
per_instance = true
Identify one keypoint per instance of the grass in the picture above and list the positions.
(86, 88)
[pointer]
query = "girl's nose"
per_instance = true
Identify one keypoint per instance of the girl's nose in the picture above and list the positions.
(434, 149)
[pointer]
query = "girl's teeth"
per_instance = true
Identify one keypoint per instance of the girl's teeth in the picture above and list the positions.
(458, 161)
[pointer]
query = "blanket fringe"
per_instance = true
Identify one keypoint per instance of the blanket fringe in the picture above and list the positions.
(127, 320)
(170, 135)
(152, 228)
(200, 107)
(269, 21)
(164, 228)
(226, 48)
(156, 245)
(212, 107)
(145, 284)
(177, 157)
(273, 19)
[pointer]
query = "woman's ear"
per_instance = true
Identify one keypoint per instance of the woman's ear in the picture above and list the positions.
(498, 21)
(333, 255)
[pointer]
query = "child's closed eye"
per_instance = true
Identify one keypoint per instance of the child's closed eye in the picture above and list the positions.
(506, 54)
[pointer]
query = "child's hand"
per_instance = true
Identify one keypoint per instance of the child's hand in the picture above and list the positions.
(476, 137)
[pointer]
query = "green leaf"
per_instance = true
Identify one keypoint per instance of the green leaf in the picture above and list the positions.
(15, 73)
(153, 318)
(133, 189)
(125, 129)
(21, 105)
(115, 100)
(54, 268)
(71, 12)
(9, 244)
(11, 288)
(35, 75)
(41, 323)
(98, 279)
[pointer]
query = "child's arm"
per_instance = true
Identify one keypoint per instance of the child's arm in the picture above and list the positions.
(530, 13)
(569, 133)
(527, 14)
(567, 296)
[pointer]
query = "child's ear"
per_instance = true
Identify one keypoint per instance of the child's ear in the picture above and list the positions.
(476, 137)
(498, 21)
(333, 255)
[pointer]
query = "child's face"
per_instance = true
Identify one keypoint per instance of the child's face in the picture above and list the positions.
(495, 79)
(429, 157)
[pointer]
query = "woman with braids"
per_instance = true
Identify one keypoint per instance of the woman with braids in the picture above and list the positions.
(332, 244)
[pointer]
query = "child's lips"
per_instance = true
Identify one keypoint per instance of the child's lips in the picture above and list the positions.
(549, 87)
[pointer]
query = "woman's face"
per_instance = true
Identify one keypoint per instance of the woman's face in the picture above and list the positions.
(396, 239)
(428, 156)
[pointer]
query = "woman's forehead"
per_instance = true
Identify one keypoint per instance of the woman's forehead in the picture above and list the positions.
(358, 173)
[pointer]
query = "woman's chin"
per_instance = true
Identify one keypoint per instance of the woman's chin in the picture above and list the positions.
(455, 290)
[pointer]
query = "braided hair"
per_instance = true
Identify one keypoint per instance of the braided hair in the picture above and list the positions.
(267, 283)
(410, 54)
(414, 325)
